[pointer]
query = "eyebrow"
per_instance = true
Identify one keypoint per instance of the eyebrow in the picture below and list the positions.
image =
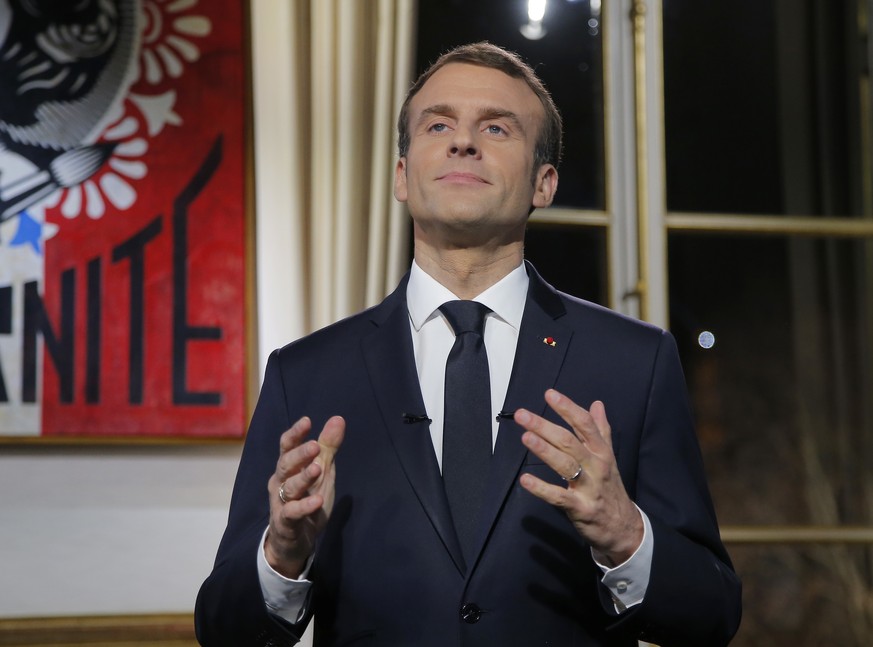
(440, 109)
(446, 110)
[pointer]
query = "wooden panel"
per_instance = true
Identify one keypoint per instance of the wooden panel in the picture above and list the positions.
(122, 631)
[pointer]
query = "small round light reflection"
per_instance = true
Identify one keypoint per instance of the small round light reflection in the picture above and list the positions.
(706, 340)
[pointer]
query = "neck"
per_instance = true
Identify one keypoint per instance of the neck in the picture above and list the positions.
(468, 272)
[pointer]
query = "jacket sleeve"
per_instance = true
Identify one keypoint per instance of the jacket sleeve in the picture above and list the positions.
(230, 608)
(694, 595)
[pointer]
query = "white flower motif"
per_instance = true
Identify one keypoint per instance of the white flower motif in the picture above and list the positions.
(166, 38)
(110, 184)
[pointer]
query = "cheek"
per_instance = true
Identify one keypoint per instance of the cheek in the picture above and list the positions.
(522, 186)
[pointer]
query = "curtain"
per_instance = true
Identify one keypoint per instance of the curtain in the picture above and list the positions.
(328, 80)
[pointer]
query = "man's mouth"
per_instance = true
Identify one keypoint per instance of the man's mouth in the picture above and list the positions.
(460, 177)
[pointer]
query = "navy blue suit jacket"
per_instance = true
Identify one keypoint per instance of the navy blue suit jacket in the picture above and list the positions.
(388, 568)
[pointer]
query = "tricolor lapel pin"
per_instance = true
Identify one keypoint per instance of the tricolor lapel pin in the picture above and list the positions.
(550, 341)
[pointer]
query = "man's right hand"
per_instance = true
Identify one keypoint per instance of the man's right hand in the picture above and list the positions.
(306, 474)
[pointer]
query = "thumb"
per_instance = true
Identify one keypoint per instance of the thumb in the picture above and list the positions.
(330, 439)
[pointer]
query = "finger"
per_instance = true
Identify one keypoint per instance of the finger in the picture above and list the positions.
(296, 459)
(598, 413)
(580, 420)
(295, 435)
(297, 509)
(557, 447)
(552, 494)
(298, 485)
(560, 438)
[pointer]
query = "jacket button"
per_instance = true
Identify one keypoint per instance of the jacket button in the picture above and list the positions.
(470, 613)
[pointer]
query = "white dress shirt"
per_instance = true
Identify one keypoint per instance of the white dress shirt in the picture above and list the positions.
(432, 339)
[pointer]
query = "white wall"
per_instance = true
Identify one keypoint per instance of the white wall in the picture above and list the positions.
(133, 529)
(112, 530)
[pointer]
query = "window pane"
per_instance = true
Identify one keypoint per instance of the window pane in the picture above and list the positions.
(763, 106)
(568, 58)
(782, 398)
(573, 259)
(804, 596)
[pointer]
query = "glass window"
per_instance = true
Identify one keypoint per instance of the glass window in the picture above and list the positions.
(775, 338)
(804, 596)
(763, 107)
(571, 258)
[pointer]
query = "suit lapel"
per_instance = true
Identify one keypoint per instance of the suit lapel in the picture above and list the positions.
(390, 363)
(535, 369)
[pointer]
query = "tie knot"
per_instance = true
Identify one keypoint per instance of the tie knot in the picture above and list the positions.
(465, 316)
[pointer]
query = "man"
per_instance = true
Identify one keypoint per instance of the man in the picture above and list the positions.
(577, 529)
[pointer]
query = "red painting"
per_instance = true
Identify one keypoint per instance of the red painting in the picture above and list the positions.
(122, 219)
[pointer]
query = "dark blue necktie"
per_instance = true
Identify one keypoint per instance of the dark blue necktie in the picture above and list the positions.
(467, 422)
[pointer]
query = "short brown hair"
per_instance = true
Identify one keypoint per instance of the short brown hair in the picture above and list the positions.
(548, 145)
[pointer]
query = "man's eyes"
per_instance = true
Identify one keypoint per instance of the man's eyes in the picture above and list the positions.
(491, 129)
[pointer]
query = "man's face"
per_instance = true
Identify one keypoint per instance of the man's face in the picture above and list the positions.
(466, 178)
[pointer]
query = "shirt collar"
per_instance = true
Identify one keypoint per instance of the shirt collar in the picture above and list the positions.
(506, 298)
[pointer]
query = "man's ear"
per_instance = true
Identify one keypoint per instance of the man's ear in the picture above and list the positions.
(400, 191)
(545, 185)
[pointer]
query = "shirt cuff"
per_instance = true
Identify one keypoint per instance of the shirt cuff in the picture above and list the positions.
(285, 597)
(628, 582)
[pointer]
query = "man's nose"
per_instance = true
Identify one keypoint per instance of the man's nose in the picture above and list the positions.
(463, 143)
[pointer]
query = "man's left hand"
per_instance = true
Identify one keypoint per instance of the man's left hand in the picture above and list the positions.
(594, 498)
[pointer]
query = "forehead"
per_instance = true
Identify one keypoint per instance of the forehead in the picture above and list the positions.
(463, 84)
